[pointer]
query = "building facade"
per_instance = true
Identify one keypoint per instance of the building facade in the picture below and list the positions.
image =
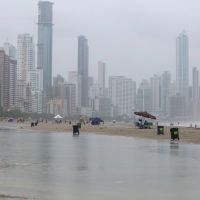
(165, 84)
(101, 78)
(155, 88)
(83, 62)
(44, 48)
(195, 93)
(7, 81)
(122, 93)
(144, 97)
(26, 72)
(182, 65)
(63, 101)
(195, 84)
(12, 83)
(74, 78)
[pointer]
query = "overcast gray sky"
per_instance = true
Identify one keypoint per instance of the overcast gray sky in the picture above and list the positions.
(136, 38)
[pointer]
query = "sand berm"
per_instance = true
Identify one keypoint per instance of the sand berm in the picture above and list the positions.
(187, 135)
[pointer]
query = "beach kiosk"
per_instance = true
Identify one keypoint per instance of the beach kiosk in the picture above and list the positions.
(142, 122)
(58, 118)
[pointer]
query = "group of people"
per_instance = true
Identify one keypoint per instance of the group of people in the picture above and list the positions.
(34, 123)
(143, 123)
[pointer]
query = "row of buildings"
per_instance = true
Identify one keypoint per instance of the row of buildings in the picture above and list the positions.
(159, 95)
(26, 83)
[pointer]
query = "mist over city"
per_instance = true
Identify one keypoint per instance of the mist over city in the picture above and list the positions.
(151, 46)
(99, 99)
(137, 36)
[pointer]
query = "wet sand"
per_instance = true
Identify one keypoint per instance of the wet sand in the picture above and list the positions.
(3, 196)
(187, 135)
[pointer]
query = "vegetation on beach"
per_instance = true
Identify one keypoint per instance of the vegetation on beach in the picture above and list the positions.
(18, 114)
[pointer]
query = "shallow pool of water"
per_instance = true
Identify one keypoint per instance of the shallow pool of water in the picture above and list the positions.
(58, 166)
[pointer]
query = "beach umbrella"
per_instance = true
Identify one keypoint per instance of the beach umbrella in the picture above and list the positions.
(145, 114)
(58, 117)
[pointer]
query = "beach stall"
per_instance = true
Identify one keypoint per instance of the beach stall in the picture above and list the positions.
(58, 118)
(142, 122)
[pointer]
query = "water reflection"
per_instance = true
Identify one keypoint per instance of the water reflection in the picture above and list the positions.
(59, 166)
(174, 149)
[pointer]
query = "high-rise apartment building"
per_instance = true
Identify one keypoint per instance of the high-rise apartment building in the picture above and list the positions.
(26, 73)
(83, 60)
(69, 94)
(195, 93)
(4, 79)
(155, 89)
(10, 50)
(165, 84)
(122, 93)
(63, 101)
(74, 78)
(182, 64)
(195, 84)
(144, 97)
(25, 57)
(12, 83)
(44, 46)
(101, 78)
(7, 81)
(58, 80)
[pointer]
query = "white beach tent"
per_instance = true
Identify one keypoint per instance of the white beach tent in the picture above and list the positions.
(58, 117)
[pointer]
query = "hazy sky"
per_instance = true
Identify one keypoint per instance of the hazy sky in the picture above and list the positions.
(136, 38)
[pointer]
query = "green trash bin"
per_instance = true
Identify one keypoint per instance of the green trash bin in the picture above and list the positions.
(174, 133)
(75, 130)
(160, 130)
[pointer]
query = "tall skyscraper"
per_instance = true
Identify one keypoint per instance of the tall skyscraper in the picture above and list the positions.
(101, 77)
(44, 46)
(83, 60)
(182, 64)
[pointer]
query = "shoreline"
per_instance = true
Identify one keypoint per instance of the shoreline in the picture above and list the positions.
(187, 134)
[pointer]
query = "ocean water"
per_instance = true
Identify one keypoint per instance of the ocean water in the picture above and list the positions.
(58, 166)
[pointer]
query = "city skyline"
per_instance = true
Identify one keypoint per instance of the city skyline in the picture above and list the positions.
(133, 46)
(103, 93)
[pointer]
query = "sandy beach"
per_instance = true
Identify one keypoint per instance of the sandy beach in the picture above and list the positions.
(187, 135)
